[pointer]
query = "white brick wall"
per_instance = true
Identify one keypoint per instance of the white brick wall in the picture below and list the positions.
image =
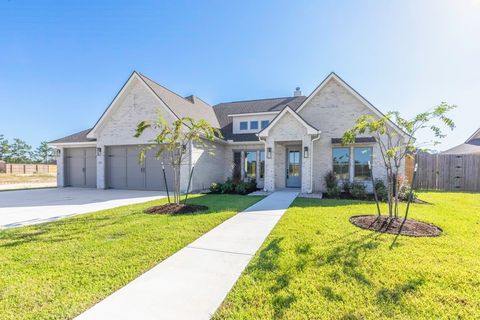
(209, 164)
(333, 111)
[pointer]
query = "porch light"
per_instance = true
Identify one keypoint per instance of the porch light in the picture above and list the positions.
(99, 151)
(369, 165)
(416, 167)
(305, 152)
(59, 152)
(269, 153)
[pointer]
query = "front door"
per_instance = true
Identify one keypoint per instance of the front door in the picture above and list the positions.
(294, 166)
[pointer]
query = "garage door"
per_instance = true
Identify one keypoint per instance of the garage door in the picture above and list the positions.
(124, 171)
(81, 167)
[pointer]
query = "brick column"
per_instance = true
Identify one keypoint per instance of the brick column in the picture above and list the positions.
(269, 180)
(101, 167)
(306, 164)
(60, 158)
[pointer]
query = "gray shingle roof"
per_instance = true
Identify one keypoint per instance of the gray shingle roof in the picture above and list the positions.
(76, 137)
(191, 106)
(222, 110)
(472, 146)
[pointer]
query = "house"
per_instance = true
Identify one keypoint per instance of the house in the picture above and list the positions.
(281, 142)
(471, 146)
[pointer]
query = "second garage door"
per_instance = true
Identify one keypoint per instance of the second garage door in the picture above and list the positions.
(124, 171)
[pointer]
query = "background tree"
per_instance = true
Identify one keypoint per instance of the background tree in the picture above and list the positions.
(173, 140)
(4, 148)
(44, 153)
(393, 146)
(20, 151)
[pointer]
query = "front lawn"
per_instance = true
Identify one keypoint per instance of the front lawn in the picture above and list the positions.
(59, 269)
(316, 265)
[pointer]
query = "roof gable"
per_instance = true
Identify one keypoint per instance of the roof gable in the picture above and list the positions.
(109, 110)
(177, 106)
(287, 110)
(353, 92)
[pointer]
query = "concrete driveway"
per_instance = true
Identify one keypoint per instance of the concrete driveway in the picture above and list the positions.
(25, 207)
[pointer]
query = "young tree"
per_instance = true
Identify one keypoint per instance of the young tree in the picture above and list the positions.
(4, 148)
(44, 153)
(20, 151)
(393, 146)
(173, 140)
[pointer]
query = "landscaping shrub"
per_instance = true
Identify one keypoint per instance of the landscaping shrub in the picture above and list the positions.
(215, 188)
(333, 192)
(347, 187)
(404, 190)
(227, 187)
(358, 190)
(230, 187)
(241, 188)
(330, 180)
(381, 189)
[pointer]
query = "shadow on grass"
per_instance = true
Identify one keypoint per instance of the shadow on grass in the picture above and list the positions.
(311, 202)
(76, 226)
(390, 299)
(346, 256)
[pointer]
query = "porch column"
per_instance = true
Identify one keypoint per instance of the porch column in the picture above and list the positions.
(307, 164)
(101, 165)
(269, 182)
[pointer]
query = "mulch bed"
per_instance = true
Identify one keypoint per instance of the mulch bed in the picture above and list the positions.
(409, 227)
(172, 208)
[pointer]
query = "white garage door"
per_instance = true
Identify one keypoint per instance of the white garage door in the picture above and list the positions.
(81, 167)
(124, 171)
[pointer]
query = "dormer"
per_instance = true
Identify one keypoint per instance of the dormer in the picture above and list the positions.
(251, 122)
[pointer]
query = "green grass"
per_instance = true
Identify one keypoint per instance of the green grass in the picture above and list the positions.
(316, 265)
(59, 269)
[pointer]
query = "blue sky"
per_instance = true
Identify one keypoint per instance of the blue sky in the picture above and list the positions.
(62, 62)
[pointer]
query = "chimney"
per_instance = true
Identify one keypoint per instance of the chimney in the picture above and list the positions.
(297, 92)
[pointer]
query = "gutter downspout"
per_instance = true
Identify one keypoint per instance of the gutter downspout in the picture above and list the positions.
(311, 162)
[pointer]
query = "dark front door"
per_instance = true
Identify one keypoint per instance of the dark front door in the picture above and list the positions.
(294, 166)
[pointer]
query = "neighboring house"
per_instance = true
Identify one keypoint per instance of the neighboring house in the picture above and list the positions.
(281, 142)
(471, 146)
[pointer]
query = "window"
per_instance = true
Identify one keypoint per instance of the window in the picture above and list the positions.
(237, 166)
(251, 164)
(243, 125)
(341, 163)
(253, 125)
(261, 161)
(361, 157)
(294, 163)
(264, 124)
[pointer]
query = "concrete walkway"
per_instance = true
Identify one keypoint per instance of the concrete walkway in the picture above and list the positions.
(193, 282)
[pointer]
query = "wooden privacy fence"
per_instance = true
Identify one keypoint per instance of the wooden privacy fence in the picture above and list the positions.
(448, 172)
(22, 168)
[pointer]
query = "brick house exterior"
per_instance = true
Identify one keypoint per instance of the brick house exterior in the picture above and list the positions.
(281, 142)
